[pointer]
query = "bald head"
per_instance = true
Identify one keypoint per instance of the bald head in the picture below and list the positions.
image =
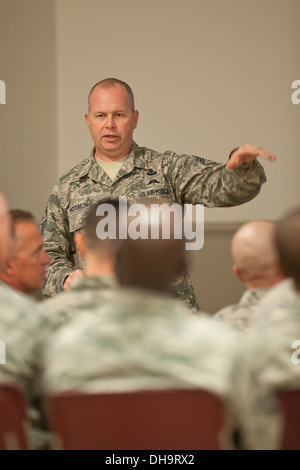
(5, 233)
(254, 254)
(152, 263)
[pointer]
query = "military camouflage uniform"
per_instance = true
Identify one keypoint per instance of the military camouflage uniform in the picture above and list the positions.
(140, 340)
(241, 315)
(19, 322)
(146, 173)
(282, 295)
(264, 365)
(85, 293)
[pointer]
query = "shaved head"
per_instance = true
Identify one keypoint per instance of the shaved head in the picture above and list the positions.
(254, 252)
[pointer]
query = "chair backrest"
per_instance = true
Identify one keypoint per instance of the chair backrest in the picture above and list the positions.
(289, 401)
(14, 423)
(168, 419)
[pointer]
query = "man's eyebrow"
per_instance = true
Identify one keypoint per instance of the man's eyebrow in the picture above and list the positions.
(121, 110)
(38, 249)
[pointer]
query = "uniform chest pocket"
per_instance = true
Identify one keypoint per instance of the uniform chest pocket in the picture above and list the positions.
(77, 219)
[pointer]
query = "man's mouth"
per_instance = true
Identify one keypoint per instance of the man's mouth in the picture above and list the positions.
(110, 137)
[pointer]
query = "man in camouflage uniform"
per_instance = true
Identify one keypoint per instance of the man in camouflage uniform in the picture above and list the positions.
(25, 269)
(96, 284)
(117, 166)
(256, 264)
(142, 338)
(19, 326)
(268, 359)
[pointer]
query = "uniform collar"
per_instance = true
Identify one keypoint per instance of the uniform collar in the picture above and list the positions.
(136, 159)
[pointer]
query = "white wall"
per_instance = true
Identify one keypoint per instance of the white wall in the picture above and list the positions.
(208, 75)
(28, 119)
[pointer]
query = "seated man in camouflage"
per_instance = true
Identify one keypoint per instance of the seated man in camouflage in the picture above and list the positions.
(97, 280)
(266, 358)
(19, 329)
(143, 338)
(256, 264)
(25, 269)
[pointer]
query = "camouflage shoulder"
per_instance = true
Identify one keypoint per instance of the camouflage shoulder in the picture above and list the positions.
(81, 169)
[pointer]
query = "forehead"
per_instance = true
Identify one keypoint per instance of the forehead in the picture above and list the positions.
(115, 96)
(28, 235)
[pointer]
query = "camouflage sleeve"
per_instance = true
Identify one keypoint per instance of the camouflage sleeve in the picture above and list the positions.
(200, 181)
(59, 245)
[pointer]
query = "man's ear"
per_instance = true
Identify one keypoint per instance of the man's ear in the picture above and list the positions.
(87, 118)
(9, 267)
(79, 240)
(135, 118)
(238, 273)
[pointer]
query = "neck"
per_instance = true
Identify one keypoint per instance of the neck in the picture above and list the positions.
(99, 268)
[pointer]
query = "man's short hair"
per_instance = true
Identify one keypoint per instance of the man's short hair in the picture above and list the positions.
(287, 238)
(93, 241)
(111, 83)
(19, 215)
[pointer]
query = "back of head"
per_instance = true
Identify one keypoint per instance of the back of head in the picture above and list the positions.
(287, 239)
(153, 253)
(101, 229)
(255, 255)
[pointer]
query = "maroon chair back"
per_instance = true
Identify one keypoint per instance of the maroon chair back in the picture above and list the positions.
(289, 401)
(168, 419)
(14, 423)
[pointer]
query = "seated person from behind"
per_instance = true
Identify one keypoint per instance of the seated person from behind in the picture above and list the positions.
(265, 357)
(25, 269)
(256, 264)
(143, 338)
(97, 281)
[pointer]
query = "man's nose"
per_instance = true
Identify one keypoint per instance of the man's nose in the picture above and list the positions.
(45, 258)
(110, 122)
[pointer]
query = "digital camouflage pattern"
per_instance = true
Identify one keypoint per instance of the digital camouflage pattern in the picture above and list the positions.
(242, 315)
(264, 364)
(145, 173)
(19, 329)
(18, 319)
(86, 292)
(281, 295)
(140, 341)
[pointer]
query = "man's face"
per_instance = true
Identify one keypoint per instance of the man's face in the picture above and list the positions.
(29, 260)
(111, 122)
